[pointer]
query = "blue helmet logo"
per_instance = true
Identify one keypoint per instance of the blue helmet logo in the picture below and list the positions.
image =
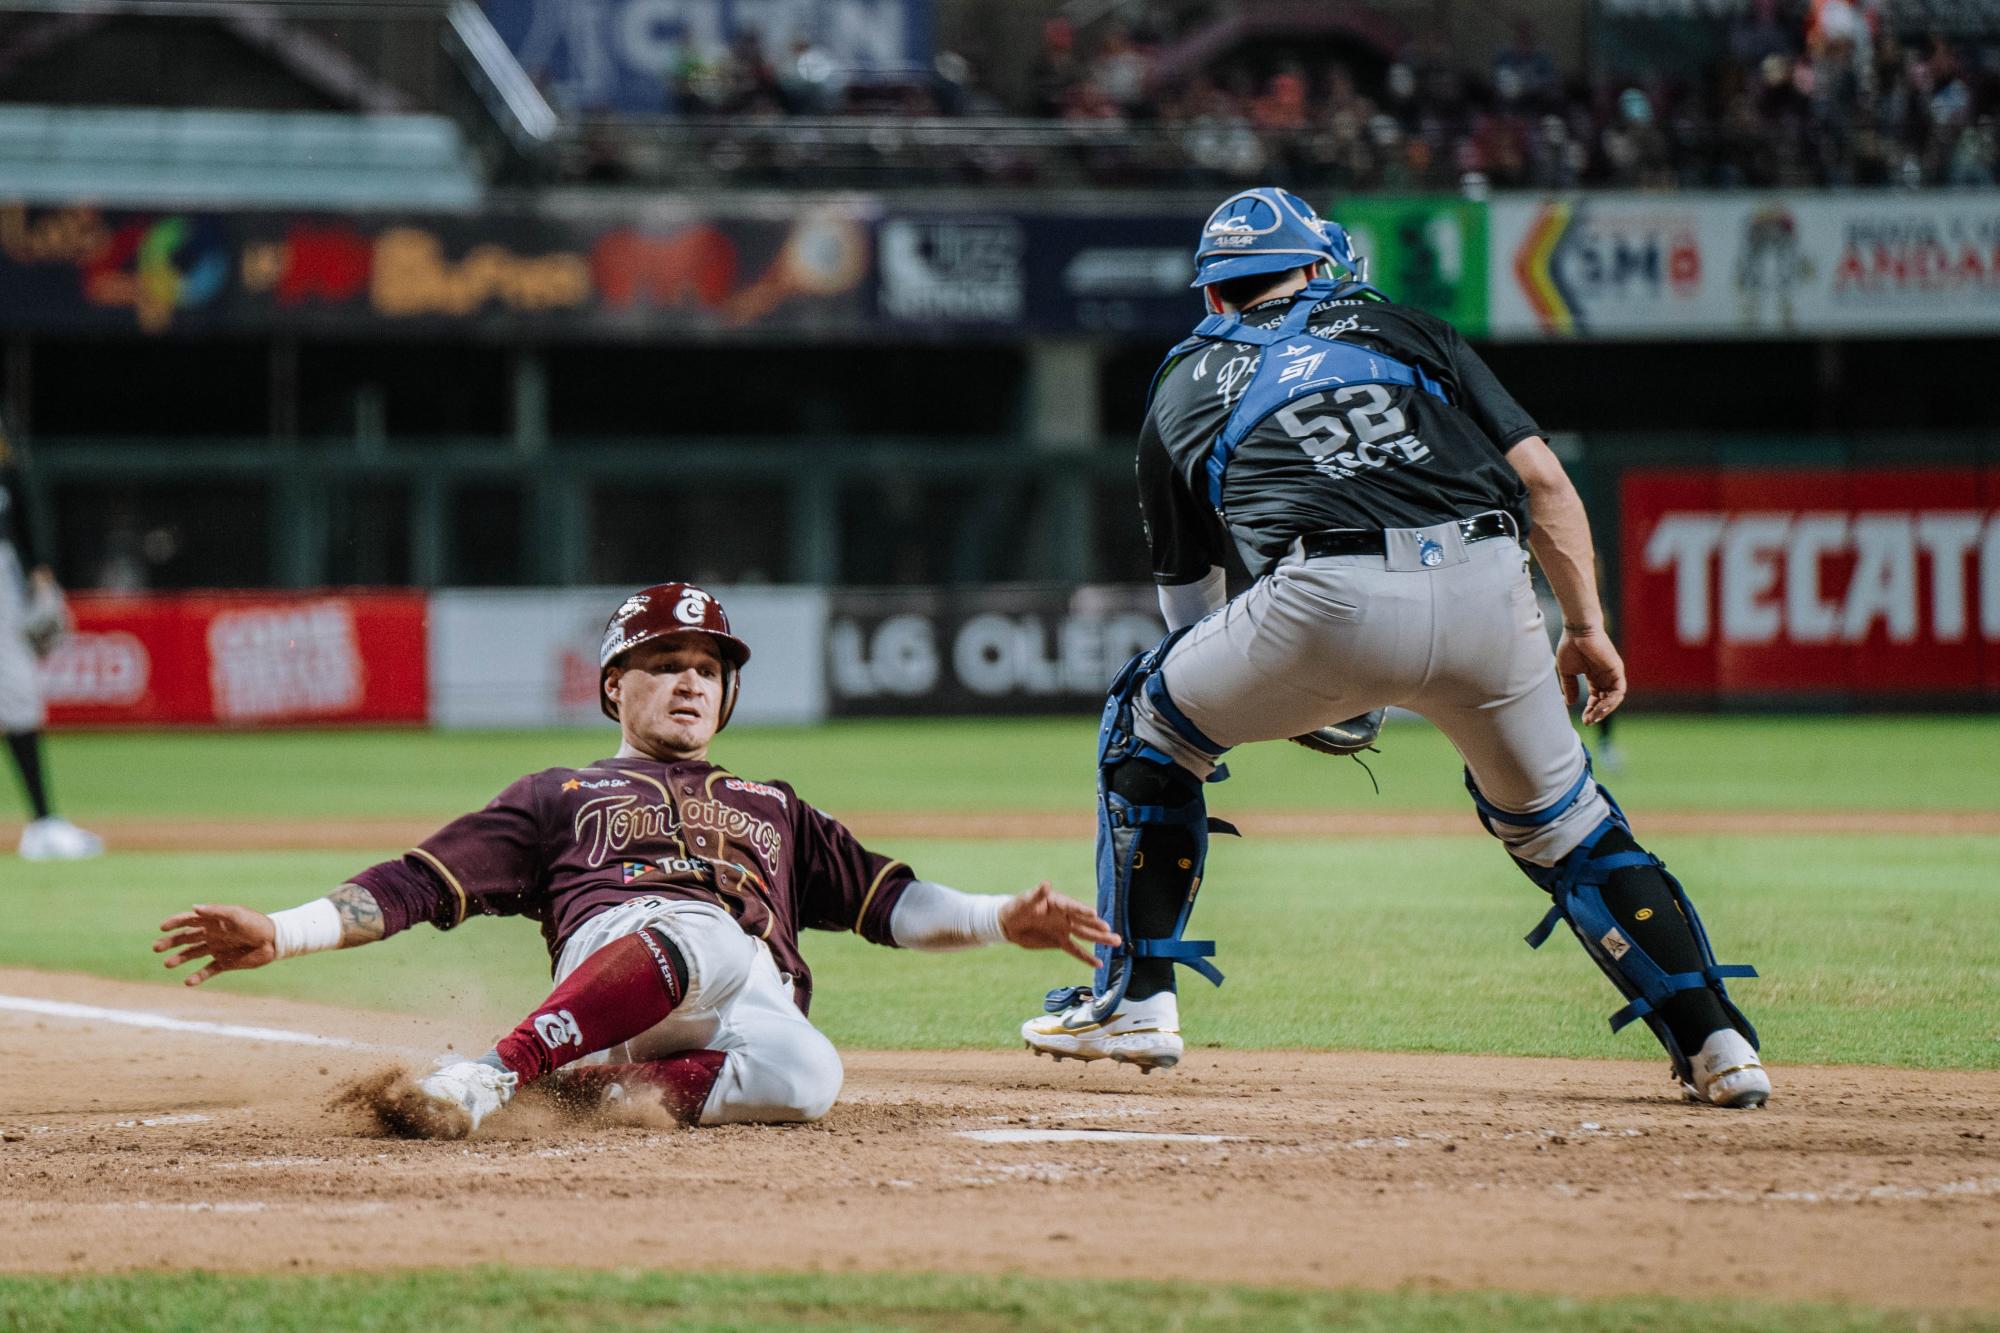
(1267, 230)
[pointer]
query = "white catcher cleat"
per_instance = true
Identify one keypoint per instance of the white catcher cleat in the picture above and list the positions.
(461, 1094)
(53, 838)
(1727, 1072)
(1146, 1033)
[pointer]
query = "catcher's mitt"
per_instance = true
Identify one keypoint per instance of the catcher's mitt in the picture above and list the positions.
(1345, 738)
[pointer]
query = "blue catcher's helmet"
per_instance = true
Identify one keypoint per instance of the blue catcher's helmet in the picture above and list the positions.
(1268, 230)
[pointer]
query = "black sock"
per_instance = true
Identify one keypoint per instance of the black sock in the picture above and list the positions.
(1642, 903)
(26, 747)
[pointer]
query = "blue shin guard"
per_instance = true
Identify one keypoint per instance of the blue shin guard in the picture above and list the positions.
(1125, 760)
(1576, 883)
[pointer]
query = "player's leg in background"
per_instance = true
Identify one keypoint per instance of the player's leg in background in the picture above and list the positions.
(1608, 757)
(1494, 694)
(25, 748)
(47, 836)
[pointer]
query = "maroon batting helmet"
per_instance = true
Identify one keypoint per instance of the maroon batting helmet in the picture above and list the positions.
(662, 610)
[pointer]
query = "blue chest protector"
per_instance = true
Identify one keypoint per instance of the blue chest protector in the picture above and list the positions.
(1292, 361)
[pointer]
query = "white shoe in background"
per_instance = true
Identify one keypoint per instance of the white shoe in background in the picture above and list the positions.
(53, 838)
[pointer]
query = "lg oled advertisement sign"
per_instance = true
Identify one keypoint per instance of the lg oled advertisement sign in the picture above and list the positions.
(1869, 584)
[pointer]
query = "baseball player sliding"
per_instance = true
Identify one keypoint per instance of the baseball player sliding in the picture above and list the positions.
(1377, 481)
(671, 894)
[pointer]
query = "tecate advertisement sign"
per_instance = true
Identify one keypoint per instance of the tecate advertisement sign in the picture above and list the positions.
(1871, 584)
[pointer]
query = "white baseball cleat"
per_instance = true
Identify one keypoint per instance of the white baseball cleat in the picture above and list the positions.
(53, 838)
(462, 1094)
(1146, 1033)
(1727, 1072)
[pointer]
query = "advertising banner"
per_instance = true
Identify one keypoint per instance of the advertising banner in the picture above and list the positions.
(528, 658)
(1745, 266)
(625, 55)
(1870, 584)
(1130, 274)
(240, 660)
(826, 268)
(88, 269)
(982, 650)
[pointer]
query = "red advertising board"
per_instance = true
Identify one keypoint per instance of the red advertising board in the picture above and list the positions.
(241, 660)
(1869, 583)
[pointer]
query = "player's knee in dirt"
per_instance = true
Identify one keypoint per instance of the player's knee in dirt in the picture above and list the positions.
(789, 1076)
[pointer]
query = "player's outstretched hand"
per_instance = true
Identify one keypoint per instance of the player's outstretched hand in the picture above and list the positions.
(231, 938)
(1041, 918)
(1590, 654)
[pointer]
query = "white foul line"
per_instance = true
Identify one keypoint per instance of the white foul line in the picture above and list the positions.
(136, 1018)
(1089, 1136)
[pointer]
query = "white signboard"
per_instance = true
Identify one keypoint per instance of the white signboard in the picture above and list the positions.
(528, 658)
(1740, 265)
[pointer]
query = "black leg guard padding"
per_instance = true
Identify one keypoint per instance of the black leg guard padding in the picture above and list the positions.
(1650, 985)
(1161, 870)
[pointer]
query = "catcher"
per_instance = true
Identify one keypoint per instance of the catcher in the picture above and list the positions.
(671, 894)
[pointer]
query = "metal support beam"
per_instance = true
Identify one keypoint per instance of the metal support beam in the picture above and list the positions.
(815, 553)
(1062, 409)
(430, 530)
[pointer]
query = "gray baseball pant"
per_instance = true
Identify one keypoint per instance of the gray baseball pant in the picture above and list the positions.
(20, 687)
(1461, 643)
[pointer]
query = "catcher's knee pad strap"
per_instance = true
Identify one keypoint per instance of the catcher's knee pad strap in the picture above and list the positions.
(1576, 883)
(1140, 789)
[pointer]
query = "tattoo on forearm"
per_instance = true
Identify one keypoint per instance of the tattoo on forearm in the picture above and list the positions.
(360, 915)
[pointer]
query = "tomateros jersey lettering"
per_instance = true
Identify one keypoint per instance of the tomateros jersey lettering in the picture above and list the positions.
(1334, 455)
(563, 845)
(613, 823)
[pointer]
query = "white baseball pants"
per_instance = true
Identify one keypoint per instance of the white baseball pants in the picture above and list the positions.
(779, 1066)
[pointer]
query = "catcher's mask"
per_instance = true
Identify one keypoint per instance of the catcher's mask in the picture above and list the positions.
(1269, 230)
(667, 609)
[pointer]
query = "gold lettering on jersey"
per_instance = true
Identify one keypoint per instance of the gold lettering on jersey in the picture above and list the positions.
(610, 824)
(735, 824)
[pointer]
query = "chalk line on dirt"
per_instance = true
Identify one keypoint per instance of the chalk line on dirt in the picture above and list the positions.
(1090, 1136)
(137, 1018)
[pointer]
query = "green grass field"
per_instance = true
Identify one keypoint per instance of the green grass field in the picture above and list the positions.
(1876, 949)
(480, 1299)
(1748, 763)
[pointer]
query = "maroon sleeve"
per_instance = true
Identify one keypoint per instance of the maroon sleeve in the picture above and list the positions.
(489, 862)
(841, 884)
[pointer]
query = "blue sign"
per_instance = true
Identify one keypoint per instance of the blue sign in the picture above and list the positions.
(628, 55)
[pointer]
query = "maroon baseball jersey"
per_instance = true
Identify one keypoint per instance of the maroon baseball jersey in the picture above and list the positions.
(565, 844)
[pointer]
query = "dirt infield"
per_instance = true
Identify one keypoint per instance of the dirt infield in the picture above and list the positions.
(214, 834)
(127, 1147)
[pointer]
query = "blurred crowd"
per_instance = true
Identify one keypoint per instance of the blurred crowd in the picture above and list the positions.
(1804, 92)
(1797, 93)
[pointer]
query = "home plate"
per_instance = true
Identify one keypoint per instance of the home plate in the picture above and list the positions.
(1090, 1136)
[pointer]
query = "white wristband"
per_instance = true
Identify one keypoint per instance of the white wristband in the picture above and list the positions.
(313, 928)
